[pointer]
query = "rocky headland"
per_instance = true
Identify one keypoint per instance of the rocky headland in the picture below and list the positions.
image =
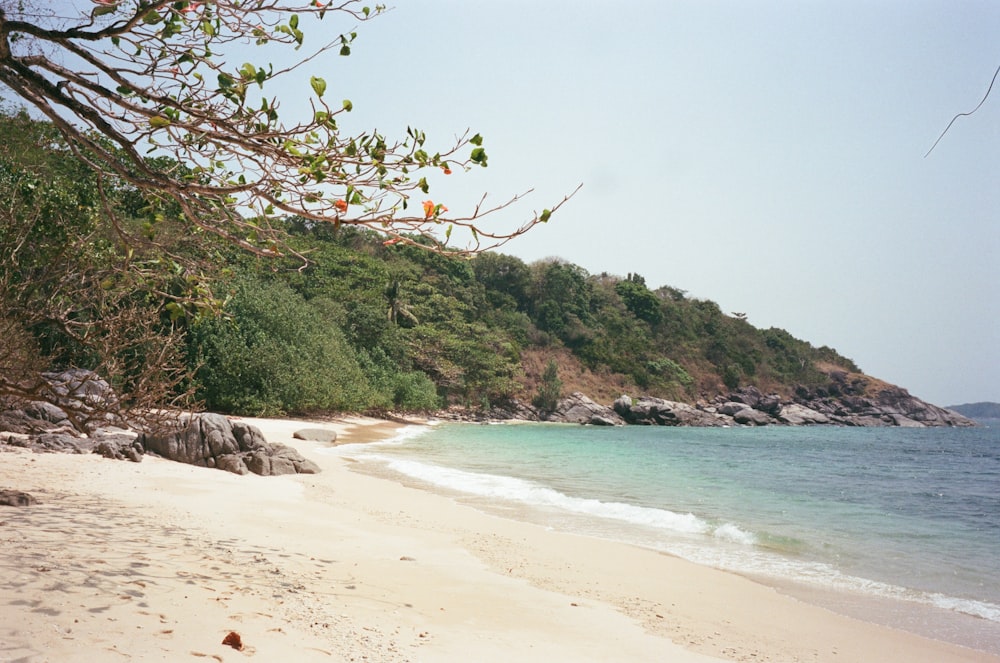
(849, 399)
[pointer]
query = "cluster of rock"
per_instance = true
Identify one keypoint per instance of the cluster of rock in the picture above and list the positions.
(213, 440)
(841, 403)
(206, 440)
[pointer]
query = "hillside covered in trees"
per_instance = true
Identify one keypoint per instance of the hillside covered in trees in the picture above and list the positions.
(397, 327)
(343, 320)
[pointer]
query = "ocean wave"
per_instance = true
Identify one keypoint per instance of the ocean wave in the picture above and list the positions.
(533, 494)
(404, 435)
(968, 606)
(734, 548)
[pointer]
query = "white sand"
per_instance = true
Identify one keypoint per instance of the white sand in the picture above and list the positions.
(159, 561)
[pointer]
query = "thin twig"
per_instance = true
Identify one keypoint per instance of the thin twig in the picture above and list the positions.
(997, 72)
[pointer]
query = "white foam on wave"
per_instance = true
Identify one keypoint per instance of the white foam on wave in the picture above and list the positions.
(736, 549)
(821, 574)
(405, 434)
(968, 606)
(532, 494)
(733, 534)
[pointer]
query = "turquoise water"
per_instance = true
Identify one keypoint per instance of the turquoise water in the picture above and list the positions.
(908, 515)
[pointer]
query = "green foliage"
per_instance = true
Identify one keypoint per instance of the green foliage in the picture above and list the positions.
(642, 303)
(276, 354)
(70, 295)
(550, 390)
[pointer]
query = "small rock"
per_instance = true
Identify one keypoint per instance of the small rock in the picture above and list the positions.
(16, 498)
(316, 435)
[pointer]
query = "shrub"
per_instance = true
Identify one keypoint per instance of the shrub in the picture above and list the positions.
(275, 354)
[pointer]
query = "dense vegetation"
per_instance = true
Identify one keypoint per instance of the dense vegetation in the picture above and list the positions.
(362, 326)
(468, 326)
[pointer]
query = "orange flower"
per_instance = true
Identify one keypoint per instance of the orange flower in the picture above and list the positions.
(341, 206)
(447, 170)
(390, 242)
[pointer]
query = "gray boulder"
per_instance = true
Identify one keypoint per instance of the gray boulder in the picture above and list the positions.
(84, 393)
(120, 446)
(794, 414)
(37, 417)
(658, 412)
(579, 409)
(729, 408)
(212, 440)
(750, 417)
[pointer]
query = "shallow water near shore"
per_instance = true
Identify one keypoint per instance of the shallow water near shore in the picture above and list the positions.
(897, 525)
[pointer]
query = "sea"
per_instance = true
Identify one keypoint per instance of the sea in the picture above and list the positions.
(900, 526)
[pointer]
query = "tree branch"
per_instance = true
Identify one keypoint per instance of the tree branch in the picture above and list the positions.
(978, 106)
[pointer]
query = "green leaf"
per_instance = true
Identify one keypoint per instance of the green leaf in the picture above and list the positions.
(151, 17)
(478, 156)
(293, 22)
(104, 9)
(318, 85)
(225, 81)
(423, 185)
(544, 216)
(175, 310)
(476, 140)
(158, 122)
(366, 11)
(348, 106)
(345, 50)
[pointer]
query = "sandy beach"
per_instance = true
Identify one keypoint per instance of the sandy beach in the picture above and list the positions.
(159, 561)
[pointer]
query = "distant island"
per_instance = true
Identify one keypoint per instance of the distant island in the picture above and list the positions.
(985, 410)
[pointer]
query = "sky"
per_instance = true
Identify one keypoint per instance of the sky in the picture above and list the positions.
(765, 155)
(768, 156)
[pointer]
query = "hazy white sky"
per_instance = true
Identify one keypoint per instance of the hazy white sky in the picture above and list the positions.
(768, 156)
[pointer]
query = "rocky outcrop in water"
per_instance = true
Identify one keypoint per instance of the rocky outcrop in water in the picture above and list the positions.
(659, 412)
(857, 402)
(578, 409)
(847, 400)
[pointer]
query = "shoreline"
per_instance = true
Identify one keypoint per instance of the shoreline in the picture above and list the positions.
(912, 615)
(162, 559)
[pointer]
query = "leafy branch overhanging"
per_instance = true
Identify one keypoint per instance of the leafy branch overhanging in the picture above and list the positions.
(131, 79)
